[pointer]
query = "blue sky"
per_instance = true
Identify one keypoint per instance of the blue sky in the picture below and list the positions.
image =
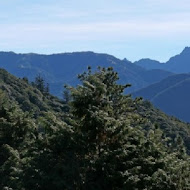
(131, 29)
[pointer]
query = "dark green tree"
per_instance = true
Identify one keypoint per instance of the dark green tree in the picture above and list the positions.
(40, 84)
(50, 159)
(16, 129)
(114, 150)
(103, 142)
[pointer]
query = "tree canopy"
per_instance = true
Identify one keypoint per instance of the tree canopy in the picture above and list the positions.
(101, 142)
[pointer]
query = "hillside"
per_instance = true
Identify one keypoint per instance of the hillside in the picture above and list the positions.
(179, 63)
(171, 126)
(106, 134)
(27, 97)
(60, 69)
(32, 100)
(171, 95)
(176, 64)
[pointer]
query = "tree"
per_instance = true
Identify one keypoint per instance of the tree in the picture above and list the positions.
(66, 95)
(50, 159)
(16, 129)
(40, 84)
(103, 143)
(25, 79)
(114, 150)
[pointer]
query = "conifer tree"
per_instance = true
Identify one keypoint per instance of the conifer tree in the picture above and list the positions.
(103, 143)
(114, 150)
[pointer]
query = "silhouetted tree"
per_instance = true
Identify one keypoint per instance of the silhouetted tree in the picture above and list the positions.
(40, 84)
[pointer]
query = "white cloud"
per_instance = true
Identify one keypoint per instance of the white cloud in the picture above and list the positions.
(86, 24)
(110, 31)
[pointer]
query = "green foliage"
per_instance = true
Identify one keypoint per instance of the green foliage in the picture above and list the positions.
(117, 153)
(105, 140)
(171, 126)
(39, 83)
(27, 97)
(16, 128)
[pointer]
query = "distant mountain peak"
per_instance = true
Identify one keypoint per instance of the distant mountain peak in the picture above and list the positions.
(181, 59)
(147, 60)
(186, 50)
(7, 52)
(179, 63)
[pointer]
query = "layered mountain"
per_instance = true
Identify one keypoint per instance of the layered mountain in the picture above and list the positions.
(177, 64)
(171, 95)
(60, 69)
(149, 64)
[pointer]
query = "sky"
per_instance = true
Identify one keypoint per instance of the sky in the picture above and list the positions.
(132, 29)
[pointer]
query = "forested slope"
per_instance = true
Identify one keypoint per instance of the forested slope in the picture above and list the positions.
(103, 140)
(27, 96)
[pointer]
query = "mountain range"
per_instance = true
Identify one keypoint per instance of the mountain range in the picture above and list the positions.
(60, 69)
(171, 95)
(161, 83)
(177, 64)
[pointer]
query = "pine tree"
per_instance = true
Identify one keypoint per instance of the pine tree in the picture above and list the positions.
(16, 129)
(103, 143)
(114, 150)
(39, 83)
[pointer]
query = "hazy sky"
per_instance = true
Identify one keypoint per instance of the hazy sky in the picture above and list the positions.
(133, 29)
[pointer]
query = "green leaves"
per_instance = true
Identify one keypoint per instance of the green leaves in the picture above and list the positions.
(118, 153)
(103, 142)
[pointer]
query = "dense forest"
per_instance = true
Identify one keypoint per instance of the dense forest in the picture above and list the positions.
(97, 138)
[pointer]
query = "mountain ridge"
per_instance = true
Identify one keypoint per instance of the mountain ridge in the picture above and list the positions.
(60, 69)
(179, 63)
(171, 95)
